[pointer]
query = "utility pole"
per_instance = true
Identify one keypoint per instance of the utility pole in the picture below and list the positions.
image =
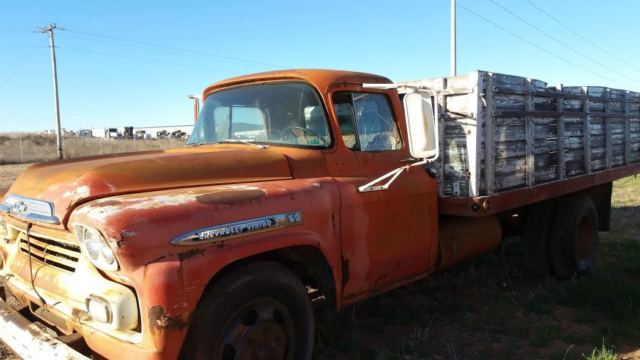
(59, 139)
(453, 66)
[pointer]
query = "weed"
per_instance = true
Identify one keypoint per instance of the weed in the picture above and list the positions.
(602, 353)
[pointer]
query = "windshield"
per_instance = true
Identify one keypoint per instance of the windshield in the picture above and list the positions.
(278, 113)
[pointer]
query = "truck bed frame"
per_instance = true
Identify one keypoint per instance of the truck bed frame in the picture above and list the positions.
(508, 141)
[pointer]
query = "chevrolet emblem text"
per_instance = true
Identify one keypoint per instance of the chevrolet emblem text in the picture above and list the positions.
(244, 227)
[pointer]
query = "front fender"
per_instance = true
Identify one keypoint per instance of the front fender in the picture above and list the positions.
(170, 279)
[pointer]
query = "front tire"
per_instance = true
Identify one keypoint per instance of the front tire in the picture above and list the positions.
(257, 311)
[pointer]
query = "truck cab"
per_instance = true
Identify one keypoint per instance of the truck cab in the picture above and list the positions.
(130, 250)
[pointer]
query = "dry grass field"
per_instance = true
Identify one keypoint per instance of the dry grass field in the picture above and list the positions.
(493, 308)
(29, 148)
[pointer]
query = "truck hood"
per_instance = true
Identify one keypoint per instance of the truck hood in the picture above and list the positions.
(69, 183)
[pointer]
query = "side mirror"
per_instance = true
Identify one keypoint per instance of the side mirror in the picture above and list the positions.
(196, 106)
(422, 125)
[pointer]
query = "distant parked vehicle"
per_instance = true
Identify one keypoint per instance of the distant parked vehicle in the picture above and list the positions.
(85, 133)
(178, 134)
(141, 134)
(162, 134)
(128, 132)
(112, 133)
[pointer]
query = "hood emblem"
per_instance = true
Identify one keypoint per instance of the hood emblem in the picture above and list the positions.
(19, 207)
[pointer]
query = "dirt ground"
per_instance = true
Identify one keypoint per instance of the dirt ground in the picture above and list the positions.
(8, 173)
(493, 308)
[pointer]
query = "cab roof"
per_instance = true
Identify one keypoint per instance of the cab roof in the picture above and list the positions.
(321, 78)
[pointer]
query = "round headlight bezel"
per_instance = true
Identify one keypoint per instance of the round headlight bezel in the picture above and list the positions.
(95, 248)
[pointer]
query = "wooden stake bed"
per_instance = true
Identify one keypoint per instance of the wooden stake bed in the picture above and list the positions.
(508, 141)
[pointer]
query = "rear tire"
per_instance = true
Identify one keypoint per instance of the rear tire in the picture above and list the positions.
(536, 232)
(574, 237)
(257, 311)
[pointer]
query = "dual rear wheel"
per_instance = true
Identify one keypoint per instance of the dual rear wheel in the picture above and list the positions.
(560, 237)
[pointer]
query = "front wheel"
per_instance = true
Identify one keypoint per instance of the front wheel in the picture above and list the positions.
(258, 311)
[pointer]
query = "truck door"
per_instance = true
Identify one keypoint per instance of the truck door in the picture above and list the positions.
(387, 235)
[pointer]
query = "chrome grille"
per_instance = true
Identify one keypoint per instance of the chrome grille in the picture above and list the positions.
(59, 253)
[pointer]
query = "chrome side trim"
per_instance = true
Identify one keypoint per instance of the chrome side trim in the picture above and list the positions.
(222, 232)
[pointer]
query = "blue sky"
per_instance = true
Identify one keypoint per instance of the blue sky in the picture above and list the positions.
(134, 62)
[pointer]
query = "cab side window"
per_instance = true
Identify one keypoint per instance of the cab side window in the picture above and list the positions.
(366, 121)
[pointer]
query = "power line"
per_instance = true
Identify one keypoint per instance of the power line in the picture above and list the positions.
(135, 46)
(578, 34)
(102, 37)
(131, 57)
(22, 47)
(22, 60)
(15, 31)
(625, 76)
(32, 27)
(541, 48)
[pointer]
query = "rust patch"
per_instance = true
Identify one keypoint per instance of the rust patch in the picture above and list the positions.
(158, 259)
(230, 197)
(127, 234)
(110, 202)
(160, 320)
(79, 315)
(189, 254)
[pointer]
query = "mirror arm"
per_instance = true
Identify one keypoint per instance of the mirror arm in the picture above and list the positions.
(391, 175)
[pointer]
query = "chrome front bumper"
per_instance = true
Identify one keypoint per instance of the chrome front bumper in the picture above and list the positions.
(29, 341)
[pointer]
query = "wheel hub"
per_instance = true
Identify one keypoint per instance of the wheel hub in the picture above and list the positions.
(265, 340)
(261, 330)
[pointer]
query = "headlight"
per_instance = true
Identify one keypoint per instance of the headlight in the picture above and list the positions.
(95, 248)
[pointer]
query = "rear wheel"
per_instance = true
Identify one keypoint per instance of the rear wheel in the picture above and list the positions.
(536, 232)
(258, 311)
(574, 237)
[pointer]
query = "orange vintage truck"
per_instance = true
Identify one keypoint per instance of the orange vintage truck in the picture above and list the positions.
(300, 189)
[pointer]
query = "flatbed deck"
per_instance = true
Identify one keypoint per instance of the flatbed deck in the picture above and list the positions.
(516, 198)
(508, 141)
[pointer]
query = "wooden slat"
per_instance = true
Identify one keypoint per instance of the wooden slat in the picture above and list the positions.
(586, 134)
(608, 133)
(560, 134)
(529, 135)
(489, 166)
(544, 113)
(627, 129)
